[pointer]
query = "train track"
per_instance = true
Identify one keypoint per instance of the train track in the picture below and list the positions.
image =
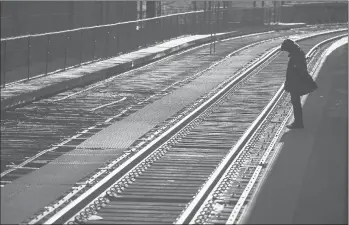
(208, 144)
(36, 134)
(232, 192)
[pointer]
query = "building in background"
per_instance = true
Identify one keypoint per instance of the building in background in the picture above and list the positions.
(30, 17)
(167, 7)
(149, 9)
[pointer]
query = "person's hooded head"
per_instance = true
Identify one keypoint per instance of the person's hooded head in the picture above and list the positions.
(290, 46)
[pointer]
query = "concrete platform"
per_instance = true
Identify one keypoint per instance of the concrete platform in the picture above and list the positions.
(34, 89)
(307, 183)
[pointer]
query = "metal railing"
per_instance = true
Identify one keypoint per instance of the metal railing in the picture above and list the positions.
(25, 57)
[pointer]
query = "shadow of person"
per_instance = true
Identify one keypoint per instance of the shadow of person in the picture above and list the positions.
(295, 136)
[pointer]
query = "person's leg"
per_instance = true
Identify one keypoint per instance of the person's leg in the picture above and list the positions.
(297, 111)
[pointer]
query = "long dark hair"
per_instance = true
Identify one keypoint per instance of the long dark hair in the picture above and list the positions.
(289, 45)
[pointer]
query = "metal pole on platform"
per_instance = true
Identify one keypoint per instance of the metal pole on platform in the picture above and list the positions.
(177, 23)
(213, 24)
(216, 27)
(94, 49)
(141, 10)
(279, 12)
(47, 54)
(206, 22)
(210, 25)
(274, 12)
(66, 51)
(107, 51)
(81, 46)
(218, 17)
(3, 67)
(28, 58)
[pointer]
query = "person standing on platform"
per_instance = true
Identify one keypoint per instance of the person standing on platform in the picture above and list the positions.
(298, 81)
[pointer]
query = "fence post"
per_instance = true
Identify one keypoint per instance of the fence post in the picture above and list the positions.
(185, 24)
(218, 18)
(4, 66)
(136, 33)
(117, 44)
(205, 17)
(47, 53)
(200, 21)
(28, 58)
(193, 23)
(178, 32)
(94, 47)
(66, 52)
(81, 45)
(211, 18)
(107, 43)
(214, 17)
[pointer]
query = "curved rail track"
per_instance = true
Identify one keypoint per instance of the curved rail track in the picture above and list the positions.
(203, 168)
(36, 134)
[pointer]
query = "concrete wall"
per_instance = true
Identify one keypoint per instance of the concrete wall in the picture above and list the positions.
(315, 13)
(29, 17)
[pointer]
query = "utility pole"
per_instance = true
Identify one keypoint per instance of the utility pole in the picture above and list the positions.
(216, 26)
(205, 17)
(274, 9)
(213, 25)
(266, 14)
(210, 24)
(280, 10)
(159, 8)
(71, 15)
(150, 9)
(140, 10)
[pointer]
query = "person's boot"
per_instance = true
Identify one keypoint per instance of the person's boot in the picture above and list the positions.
(298, 121)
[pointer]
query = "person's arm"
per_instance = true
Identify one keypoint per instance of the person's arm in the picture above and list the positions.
(299, 65)
(288, 74)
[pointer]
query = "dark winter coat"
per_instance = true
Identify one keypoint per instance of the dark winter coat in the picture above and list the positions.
(298, 80)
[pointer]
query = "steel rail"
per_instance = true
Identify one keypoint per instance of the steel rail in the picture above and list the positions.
(124, 166)
(132, 71)
(315, 70)
(111, 165)
(155, 142)
(53, 148)
(221, 172)
(234, 215)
